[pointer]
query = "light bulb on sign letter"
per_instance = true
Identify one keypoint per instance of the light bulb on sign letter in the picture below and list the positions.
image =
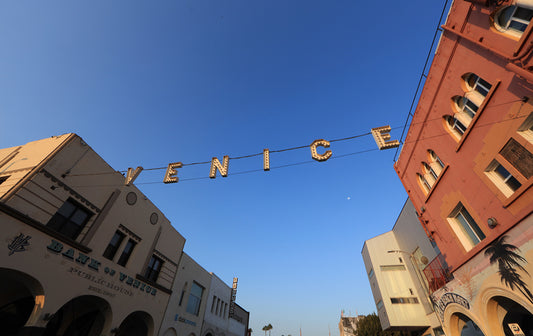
(314, 153)
(171, 174)
(223, 169)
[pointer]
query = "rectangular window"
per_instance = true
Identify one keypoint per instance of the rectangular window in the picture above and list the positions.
(502, 178)
(371, 273)
(70, 219)
(195, 299)
(526, 129)
(465, 227)
(403, 300)
(113, 245)
(459, 127)
(469, 107)
(379, 305)
(154, 266)
(213, 304)
(392, 268)
(181, 297)
(520, 19)
(3, 179)
(126, 253)
(482, 86)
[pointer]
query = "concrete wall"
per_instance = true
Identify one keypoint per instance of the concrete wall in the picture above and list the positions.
(216, 320)
(177, 318)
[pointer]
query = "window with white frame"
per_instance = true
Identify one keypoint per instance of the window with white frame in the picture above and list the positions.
(430, 174)
(465, 227)
(435, 162)
(513, 20)
(477, 84)
(502, 178)
(455, 126)
(424, 184)
(466, 106)
(526, 129)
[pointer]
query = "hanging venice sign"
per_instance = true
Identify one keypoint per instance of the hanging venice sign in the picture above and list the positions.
(381, 136)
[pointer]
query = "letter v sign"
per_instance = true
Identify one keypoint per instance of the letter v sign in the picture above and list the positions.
(132, 175)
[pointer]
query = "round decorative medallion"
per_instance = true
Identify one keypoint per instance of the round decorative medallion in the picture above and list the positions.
(131, 198)
(154, 218)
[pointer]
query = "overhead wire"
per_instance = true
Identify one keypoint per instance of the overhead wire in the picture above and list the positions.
(307, 146)
(337, 156)
(422, 76)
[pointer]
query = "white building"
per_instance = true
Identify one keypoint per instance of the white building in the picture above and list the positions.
(216, 318)
(394, 262)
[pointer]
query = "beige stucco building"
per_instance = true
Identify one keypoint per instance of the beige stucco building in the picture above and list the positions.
(87, 254)
(83, 251)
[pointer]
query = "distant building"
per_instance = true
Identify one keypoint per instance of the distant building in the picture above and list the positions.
(467, 165)
(239, 321)
(394, 262)
(348, 325)
(188, 302)
(216, 318)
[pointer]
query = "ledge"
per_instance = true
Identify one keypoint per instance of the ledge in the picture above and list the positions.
(153, 284)
(436, 182)
(517, 193)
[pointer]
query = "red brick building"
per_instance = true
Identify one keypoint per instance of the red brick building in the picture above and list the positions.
(467, 165)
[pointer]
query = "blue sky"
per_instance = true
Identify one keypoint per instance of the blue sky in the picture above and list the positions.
(148, 83)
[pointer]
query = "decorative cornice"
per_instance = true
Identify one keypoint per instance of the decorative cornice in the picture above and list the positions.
(160, 255)
(130, 233)
(70, 190)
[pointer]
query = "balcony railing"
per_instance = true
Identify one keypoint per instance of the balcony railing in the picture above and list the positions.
(437, 273)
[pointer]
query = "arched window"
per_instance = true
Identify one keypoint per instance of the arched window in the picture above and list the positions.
(477, 84)
(435, 162)
(429, 171)
(513, 20)
(424, 184)
(465, 105)
(456, 127)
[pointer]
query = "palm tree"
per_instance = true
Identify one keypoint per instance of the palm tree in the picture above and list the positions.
(269, 326)
(265, 328)
(508, 260)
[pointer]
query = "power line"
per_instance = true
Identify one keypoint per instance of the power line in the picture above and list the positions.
(422, 76)
(478, 125)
